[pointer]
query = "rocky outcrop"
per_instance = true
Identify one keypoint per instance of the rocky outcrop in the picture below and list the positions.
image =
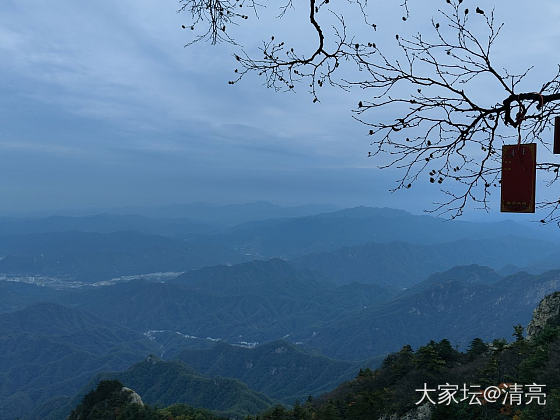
(548, 309)
(422, 412)
(133, 397)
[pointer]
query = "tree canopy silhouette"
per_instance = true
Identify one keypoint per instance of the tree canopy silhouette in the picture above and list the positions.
(435, 105)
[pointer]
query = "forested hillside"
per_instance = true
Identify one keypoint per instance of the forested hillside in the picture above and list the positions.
(162, 383)
(279, 369)
(47, 351)
(490, 380)
(525, 374)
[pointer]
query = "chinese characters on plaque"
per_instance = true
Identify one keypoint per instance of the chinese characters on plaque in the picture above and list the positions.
(519, 173)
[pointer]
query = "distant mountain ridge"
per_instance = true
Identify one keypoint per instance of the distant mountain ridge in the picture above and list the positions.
(229, 214)
(258, 277)
(104, 223)
(402, 264)
(294, 237)
(279, 369)
(351, 286)
(190, 217)
(91, 257)
(460, 304)
(267, 300)
(350, 322)
(257, 301)
(346, 236)
(48, 342)
(16, 295)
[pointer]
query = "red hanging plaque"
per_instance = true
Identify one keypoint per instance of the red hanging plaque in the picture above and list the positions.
(519, 174)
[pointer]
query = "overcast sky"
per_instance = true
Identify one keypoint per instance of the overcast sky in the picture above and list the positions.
(102, 106)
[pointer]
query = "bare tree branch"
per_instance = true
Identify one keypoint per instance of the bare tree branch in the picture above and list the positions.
(445, 131)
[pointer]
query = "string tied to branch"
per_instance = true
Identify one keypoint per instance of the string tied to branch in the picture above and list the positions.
(541, 101)
(519, 119)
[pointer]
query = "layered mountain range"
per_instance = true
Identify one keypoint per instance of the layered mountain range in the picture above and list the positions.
(284, 308)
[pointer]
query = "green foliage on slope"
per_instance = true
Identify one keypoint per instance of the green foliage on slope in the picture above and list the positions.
(279, 369)
(109, 402)
(392, 389)
(165, 383)
(47, 351)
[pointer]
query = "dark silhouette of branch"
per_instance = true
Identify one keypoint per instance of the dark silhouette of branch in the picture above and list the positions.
(215, 16)
(436, 86)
